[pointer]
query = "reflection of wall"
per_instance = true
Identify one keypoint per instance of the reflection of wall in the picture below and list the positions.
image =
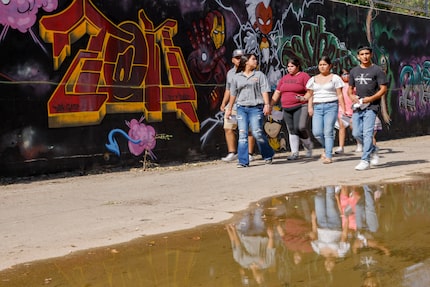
(79, 71)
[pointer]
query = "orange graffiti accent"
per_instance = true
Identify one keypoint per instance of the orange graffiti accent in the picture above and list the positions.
(119, 71)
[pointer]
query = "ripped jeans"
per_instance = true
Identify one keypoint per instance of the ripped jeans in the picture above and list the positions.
(252, 117)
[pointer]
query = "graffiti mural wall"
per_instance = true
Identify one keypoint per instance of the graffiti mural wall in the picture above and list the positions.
(89, 83)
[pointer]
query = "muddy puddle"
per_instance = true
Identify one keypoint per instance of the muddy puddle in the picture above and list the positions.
(369, 235)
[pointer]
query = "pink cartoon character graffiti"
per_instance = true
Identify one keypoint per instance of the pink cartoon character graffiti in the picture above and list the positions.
(146, 134)
(22, 15)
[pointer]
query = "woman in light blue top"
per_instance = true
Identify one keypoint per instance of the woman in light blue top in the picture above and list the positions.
(250, 90)
(325, 96)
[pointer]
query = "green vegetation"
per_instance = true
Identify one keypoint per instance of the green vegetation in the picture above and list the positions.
(410, 7)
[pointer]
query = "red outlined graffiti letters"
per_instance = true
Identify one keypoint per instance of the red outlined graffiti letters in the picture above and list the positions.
(119, 71)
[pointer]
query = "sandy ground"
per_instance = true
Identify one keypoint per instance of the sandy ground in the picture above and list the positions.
(50, 218)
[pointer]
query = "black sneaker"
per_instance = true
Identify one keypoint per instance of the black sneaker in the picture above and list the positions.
(241, 165)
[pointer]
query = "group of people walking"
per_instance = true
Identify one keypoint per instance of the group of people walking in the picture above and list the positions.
(247, 101)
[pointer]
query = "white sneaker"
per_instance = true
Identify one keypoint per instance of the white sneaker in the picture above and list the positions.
(374, 158)
(363, 165)
(250, 157)
(293, 156)
(230, 157)
(339, 150)
(359, 148)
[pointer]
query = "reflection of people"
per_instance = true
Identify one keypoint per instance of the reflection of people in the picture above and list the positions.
(348, 197)
(230, 124)
(290, 88)
(325, 96)
(365, 210)
(330, 236)
(364, 241)
(367, 222)
(252, 223)
(250, 89)
(370, 83)
(253, 246)
(295, 228)
(371, 280)
(359, 207)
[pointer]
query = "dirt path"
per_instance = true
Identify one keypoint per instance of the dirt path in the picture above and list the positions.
(51, 218)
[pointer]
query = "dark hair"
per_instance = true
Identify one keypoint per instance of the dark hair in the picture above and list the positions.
(243, 60)
(364, 47)
(325, 59)
(295, 62)
(345, 72)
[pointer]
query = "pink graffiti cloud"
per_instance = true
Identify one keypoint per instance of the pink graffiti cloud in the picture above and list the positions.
(22, 14)
(146, 135)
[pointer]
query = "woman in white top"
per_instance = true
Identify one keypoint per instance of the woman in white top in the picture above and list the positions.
(325, 96)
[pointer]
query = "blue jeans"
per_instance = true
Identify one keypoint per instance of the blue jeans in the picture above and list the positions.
(253, 118)
(365, 212)
(326, 210)
(323, 120)
(363, 125)
(253, 223)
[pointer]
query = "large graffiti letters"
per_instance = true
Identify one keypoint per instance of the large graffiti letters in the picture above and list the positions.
(314, 42)
(119, 71)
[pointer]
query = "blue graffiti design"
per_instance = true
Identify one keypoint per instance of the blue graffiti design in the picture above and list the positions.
(113, 145)
(414, 97)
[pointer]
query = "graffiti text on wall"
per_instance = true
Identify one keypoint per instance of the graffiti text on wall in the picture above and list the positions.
(315, 41)
(414, 98)
(119, 71)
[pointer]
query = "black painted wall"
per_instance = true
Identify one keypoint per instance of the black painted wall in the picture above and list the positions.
(81, 80)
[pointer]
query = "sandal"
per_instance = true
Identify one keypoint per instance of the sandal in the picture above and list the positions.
(327, 160)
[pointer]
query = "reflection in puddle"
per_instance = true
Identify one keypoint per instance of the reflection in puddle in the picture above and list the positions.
(335, 236)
